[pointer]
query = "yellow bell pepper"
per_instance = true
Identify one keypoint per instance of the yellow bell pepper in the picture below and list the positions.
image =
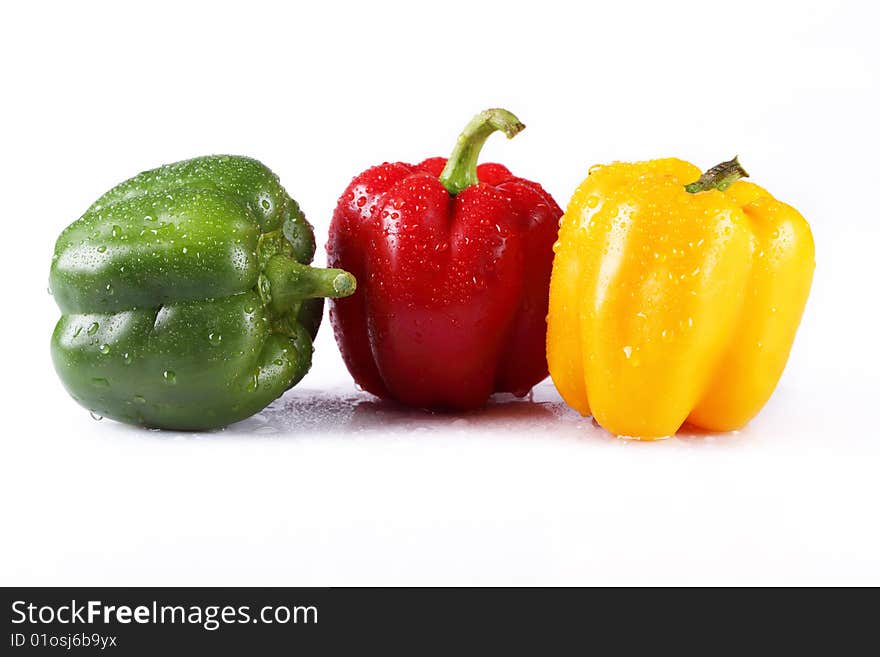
(674, 301)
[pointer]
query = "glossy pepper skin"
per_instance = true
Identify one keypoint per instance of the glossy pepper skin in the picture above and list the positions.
(186, 296)
(453, 263)
(673, 300)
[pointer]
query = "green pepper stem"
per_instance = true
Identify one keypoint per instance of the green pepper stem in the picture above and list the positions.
(460, 171)
(290, 282)
(719, 177)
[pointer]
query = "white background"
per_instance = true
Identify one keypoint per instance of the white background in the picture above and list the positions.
(327, 487)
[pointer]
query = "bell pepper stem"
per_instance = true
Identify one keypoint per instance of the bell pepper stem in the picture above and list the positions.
(460, 171)
(290, 282)
(719, 177)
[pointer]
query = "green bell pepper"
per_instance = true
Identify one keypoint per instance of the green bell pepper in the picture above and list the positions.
(187, 298)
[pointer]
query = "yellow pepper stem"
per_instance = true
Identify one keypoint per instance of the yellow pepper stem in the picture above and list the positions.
(719, 177)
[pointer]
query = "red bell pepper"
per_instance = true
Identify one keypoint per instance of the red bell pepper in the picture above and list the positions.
(453, 267)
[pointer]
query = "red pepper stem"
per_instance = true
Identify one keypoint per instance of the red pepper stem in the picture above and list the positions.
(460, 171)
(719, 177)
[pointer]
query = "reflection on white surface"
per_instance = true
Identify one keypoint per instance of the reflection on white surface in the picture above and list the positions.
(335, 411)
(340, 412)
